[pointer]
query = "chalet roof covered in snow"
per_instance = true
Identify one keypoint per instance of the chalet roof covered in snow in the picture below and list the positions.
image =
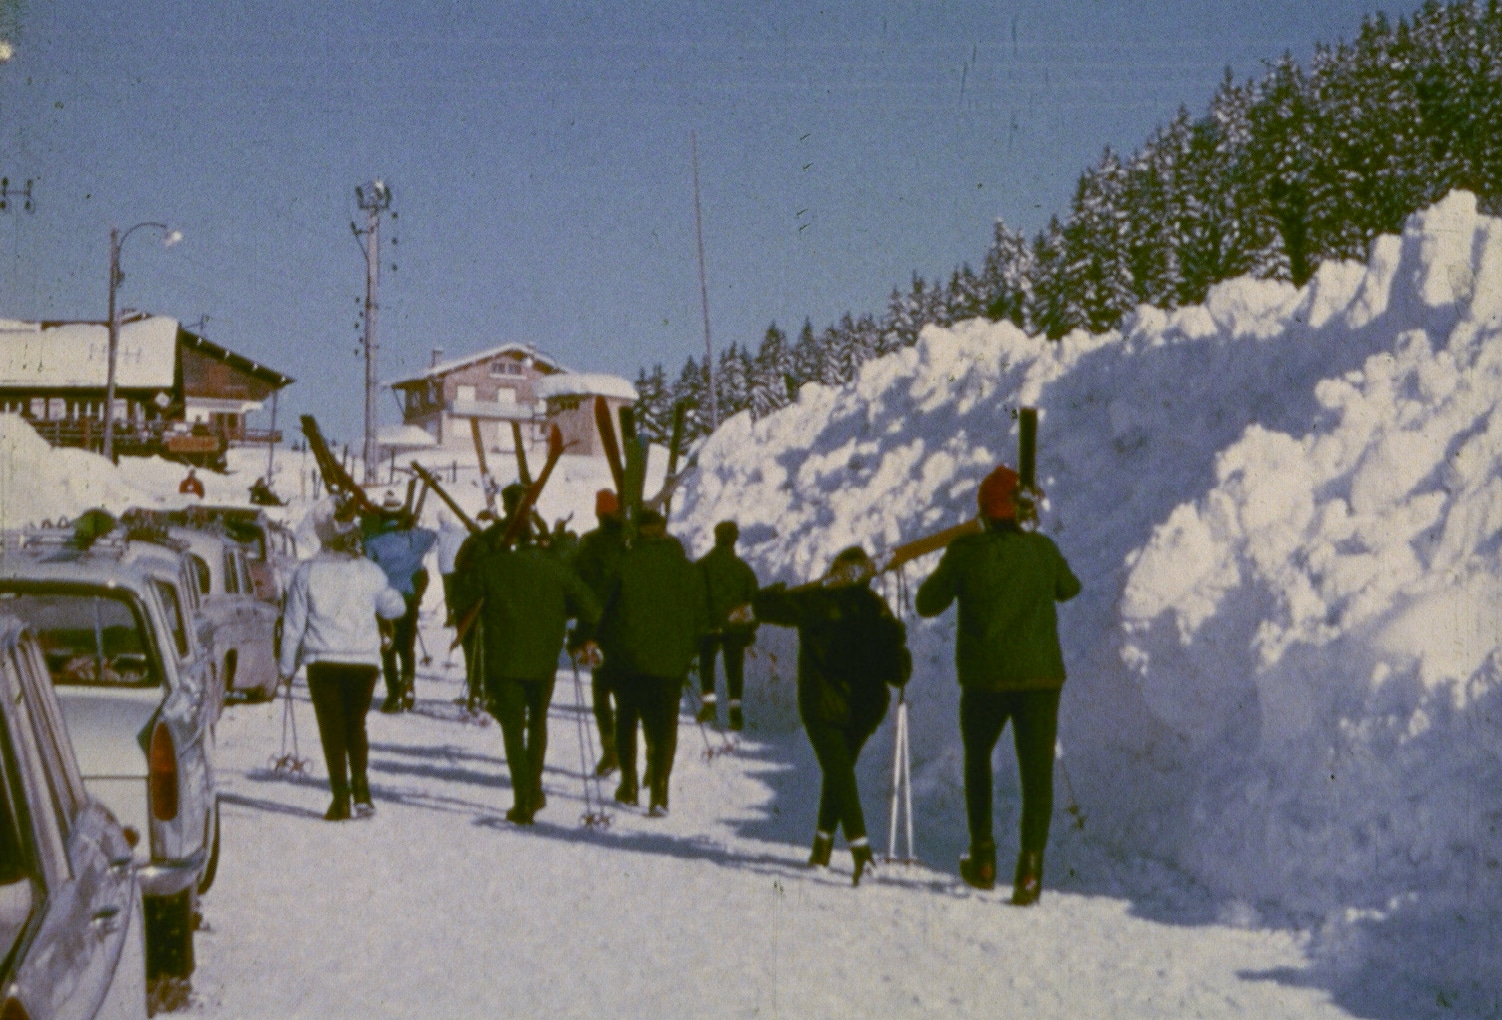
(585, 384)
(444, 368)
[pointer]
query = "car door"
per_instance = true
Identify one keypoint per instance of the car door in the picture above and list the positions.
(85, 958)
(257, 668)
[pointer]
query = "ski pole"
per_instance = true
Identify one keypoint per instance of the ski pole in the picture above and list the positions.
(427, 660)
(294, 763)
(708, 751)
(594, 809)
(1073, 809)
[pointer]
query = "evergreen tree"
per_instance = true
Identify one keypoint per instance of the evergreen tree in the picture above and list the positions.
(808, 357)
(1006, 280)
(1049, 306)
(771, 369)
(692, 390)
(733, 382)
(654, 404)
(1097, 282)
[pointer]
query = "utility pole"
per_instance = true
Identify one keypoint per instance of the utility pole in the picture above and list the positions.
(714, 410)
(374, 198)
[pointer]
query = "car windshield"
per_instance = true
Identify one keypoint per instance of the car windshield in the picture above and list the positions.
(89, 639)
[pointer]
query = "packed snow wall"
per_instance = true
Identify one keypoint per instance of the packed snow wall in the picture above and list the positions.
(1286, 509)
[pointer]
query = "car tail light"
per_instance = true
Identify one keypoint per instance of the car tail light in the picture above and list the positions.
(163, 769)
(13, 1010)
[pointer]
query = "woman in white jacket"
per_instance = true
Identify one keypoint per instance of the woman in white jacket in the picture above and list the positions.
(329, 625)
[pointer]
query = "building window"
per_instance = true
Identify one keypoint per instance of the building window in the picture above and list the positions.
(506, 367)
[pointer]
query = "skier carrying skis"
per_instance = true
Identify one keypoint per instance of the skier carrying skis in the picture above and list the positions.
(850, 647)
(1010, 666)
(596, 561)
(528, 597)
(329, 625)
(730, 584)
(397, 546)
(655, 613)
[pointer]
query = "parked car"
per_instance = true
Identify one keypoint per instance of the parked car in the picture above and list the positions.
(72, 930)
(244, 626)
(136, 695)
(270, 547)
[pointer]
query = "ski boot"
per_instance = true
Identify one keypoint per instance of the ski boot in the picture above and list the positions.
(823, 846)
(1027, 886)
(363, 806)
(519, 815)
(979, 869)
(609, 761)
(339, 808)
(737, 720)
(627, 792)
(707, 709)
(862, 857)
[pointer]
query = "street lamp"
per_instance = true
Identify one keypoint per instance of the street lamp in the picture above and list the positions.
(117, 241)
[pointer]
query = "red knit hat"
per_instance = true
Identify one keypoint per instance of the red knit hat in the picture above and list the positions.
(996, 494)
(606, 503)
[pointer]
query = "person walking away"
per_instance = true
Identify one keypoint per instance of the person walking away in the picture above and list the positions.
(850, 647)
(596, 562)
(398, 547)
(526, 597)
(730, 585)
(1010, 666)
(654, 615)
(329, 626)
(191, 485)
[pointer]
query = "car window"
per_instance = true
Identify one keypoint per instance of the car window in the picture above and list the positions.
(18, 870)
(52, 739)
(231, 575)
(201, 570)
(87, 639)
(175, 618)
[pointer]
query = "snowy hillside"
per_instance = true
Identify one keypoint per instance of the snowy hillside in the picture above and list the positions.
(1286, 509)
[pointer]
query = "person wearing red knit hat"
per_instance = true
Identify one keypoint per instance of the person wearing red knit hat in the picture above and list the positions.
(1010, 666)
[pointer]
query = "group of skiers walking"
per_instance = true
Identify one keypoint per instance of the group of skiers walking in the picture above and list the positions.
(643, 612)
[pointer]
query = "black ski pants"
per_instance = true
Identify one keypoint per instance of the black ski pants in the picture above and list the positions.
(837, 747)
(1035, 727)
(735, 664)
(341, 694)
(521, 707)
(399, 662)
(602, 693)
(654, 701)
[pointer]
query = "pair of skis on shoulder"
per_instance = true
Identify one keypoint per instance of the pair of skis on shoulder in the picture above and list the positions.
(629, 471)
(342, 485)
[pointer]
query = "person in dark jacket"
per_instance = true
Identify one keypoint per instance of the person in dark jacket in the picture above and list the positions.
(526, 597)
(596, 562)
(654, 616)
(398, 547)
(730, 585)
(850, 647)
(1010, 666)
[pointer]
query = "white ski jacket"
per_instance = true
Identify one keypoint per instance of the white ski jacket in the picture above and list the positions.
(331, 609)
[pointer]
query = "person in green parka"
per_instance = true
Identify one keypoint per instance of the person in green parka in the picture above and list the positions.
(1010, 666)
(654, 615)
(528, 597)
(850, 647)
(596, 561)
(730, 584)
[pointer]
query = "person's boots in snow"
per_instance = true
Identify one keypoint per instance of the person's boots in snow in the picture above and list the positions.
(737, 720)
(979, 869)
(339, 809)
(364, 807)
(627, 793)
(707, 709)
(862, 858)
(818, 857)
(1027, 887)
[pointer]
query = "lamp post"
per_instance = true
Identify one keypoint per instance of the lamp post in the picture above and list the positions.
(117, 241)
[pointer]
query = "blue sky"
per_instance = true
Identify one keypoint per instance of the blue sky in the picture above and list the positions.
(539, 158)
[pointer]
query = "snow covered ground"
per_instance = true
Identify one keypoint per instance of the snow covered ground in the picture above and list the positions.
(1282, 731)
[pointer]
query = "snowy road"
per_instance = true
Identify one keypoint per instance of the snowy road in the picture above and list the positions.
(440, 908)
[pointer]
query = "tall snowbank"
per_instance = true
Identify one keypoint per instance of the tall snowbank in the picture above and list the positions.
(1286, 508)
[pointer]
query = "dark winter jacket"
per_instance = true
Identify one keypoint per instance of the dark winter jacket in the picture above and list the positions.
(1007, 581)
(528, 598)
(728, 582)
(598, 557)
(655, 612)
(850, 647)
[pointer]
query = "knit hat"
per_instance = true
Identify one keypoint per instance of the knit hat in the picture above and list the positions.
(606, 503)
(726, 532)
(997, 494)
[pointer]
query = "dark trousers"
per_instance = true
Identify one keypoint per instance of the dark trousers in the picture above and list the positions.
(341, 696)
(1035, 726)
(521, 707)
(602, 691)
(654, 701)
(837, 748)
(401, 653)
(735, 664)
